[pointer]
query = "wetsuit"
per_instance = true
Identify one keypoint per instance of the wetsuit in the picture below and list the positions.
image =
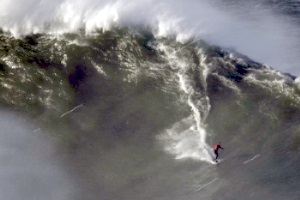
(216, 149)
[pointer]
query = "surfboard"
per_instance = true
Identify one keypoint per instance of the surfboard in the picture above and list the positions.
(218, 161)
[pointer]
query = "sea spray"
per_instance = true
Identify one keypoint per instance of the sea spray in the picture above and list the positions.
(30, 167)
(242, 28)
(189, 142)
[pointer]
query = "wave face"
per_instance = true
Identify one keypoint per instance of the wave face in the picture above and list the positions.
(133, 103)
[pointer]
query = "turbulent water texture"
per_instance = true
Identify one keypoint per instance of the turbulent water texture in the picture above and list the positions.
(132, 112)
(122, 105)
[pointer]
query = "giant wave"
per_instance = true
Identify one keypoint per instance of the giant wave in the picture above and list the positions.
(133, 96)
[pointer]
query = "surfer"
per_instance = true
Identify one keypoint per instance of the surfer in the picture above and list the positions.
(216, 149)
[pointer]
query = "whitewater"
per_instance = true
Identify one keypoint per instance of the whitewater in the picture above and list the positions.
(124, 100)
(244, 28)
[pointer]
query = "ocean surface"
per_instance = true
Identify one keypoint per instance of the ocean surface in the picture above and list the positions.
(124, 100)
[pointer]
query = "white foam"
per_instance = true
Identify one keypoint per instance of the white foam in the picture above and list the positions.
(184, 141)
(255, 32)
(275, 83)
(191, 141)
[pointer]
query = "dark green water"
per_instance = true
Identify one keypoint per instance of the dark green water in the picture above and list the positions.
(121, 106)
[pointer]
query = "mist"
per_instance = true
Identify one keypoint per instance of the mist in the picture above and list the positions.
(30, 168)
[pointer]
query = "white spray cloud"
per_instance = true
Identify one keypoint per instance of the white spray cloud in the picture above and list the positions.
(29, 168)
(255, 32)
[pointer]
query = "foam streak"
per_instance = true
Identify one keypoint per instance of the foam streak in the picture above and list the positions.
(207, 184)
(75, 108)
(250, 160)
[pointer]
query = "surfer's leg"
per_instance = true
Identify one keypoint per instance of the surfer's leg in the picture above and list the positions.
(217, 154)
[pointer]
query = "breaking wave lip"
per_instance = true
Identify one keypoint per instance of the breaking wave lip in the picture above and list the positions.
(260, 34)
